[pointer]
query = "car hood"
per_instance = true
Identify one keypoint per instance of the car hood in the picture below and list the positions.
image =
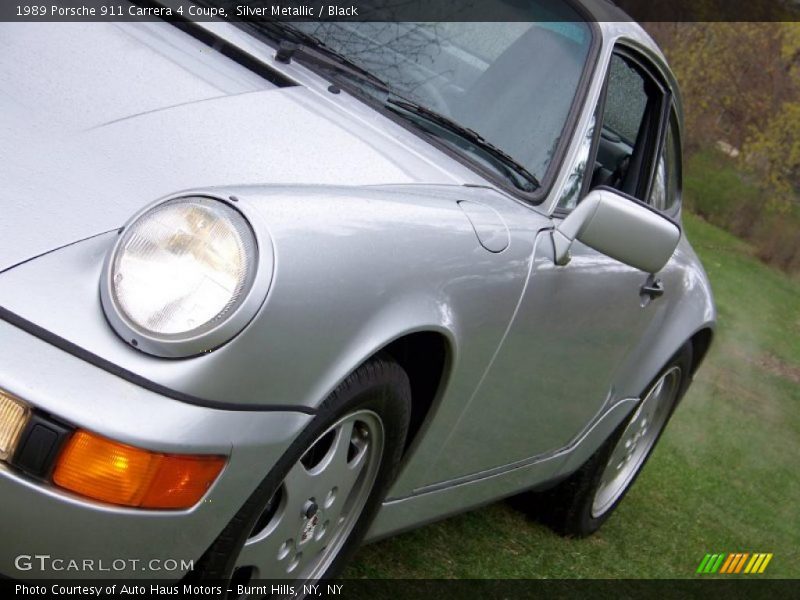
(98, 120)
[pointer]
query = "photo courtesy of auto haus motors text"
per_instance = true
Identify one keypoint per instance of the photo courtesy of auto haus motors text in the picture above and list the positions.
(399, 298)
(185, 590)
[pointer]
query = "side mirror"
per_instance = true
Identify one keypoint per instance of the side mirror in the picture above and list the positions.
(618, 227)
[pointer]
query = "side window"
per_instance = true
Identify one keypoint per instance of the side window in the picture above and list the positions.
(666, 190)
(658, 195)
(621, 152)
(626, 101)
(631, 119)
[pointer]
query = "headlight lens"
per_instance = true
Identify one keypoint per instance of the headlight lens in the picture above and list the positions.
(182, 268)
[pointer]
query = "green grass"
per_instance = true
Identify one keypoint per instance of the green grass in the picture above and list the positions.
(724, 478)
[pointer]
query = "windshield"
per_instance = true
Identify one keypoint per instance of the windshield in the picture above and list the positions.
(512, 83)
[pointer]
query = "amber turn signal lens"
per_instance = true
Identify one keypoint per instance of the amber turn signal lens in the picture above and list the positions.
(101, 469)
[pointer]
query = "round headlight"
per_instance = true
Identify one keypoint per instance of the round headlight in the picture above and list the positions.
(179, 272)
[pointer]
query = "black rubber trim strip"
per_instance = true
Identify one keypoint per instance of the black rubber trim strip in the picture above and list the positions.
(245, 59)
(46, 252)
(75, 350)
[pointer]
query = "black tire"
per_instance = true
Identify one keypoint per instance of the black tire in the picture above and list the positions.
(379, 385)
(567, 507)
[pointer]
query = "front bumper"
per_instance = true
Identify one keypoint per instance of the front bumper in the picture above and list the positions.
(86, 539)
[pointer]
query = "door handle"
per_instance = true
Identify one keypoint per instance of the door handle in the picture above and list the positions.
(653, 288)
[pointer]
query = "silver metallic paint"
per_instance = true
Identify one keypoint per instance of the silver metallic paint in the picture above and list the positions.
(412, 511)
(613, 225)
(58, 156)
(375, 248)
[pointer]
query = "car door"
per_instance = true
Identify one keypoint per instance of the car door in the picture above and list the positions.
(576, 325)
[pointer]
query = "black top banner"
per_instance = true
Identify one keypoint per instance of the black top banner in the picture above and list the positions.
(399, 10)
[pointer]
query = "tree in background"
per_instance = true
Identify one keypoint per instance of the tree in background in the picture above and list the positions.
(734, 77)
(741, 88)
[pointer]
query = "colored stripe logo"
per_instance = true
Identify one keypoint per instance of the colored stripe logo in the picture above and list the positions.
(733, 563)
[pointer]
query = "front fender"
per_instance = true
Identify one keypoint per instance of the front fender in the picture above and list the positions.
(355, 268)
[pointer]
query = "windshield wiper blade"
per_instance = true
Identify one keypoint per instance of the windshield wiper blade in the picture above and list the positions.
(329, 60)
(470, 135)
(294, 42)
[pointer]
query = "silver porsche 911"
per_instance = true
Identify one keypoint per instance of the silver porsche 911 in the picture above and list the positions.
(270, 290)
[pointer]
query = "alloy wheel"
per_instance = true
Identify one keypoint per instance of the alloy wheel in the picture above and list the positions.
(311, 514)
(636, 441)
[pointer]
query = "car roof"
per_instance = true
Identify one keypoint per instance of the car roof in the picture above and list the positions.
(615, 24)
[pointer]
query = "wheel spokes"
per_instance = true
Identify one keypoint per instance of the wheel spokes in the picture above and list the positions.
(337, 474)
(320, 498)
(636, 441)
(299, 484)
(272, 550)
(346, 459)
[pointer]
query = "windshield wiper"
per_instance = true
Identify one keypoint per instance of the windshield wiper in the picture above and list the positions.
(329, 60)
(296, 43)
(502, 160)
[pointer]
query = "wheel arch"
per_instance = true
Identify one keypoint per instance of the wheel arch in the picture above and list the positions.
(701, 342)
(426, 357)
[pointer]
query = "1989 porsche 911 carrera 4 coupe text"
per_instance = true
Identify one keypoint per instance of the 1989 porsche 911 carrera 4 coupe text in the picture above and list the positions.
(269, 290)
